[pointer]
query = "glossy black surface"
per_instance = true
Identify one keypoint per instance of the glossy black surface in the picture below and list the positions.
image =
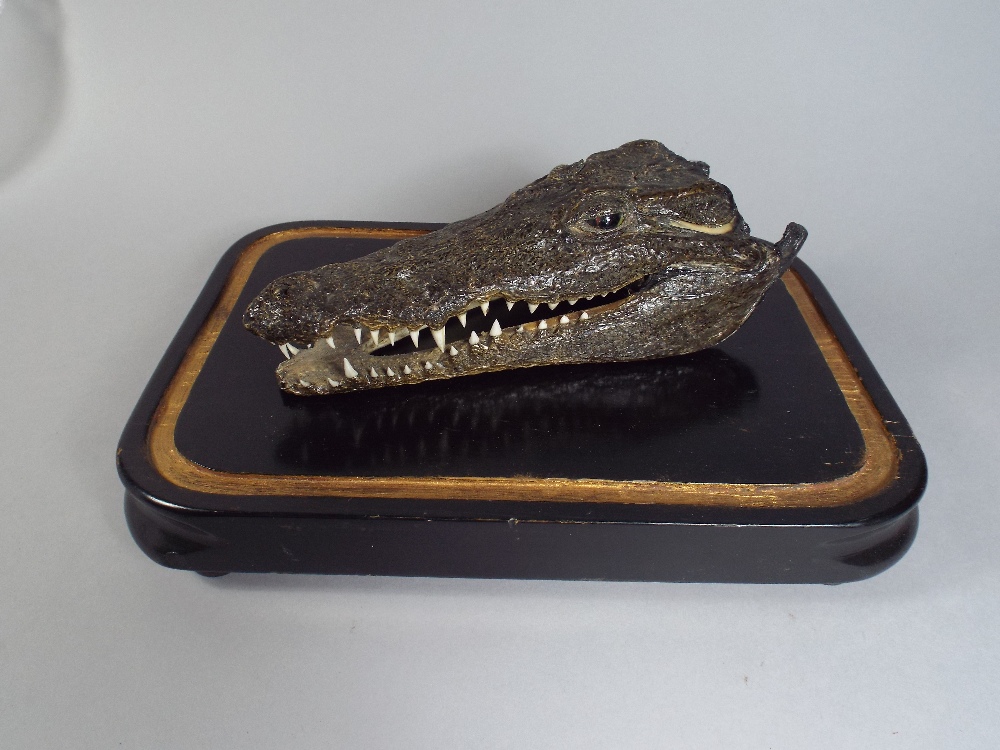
(737, 413)
(217, 543)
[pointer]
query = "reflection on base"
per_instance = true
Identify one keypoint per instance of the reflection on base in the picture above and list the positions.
(459, 426)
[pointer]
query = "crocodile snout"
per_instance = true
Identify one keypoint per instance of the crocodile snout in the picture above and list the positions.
(281, 311)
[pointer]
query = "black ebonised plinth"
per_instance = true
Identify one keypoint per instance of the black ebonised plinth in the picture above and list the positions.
(777, 456)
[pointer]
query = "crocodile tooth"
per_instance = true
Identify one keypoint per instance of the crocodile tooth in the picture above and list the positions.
(495, 329)
(374, 372)
(415, 336)
(357, 334)
(584, 316)
(392, 338)
(333, 383)
(329, 340)
(375, 333)
(304, 383)
(542, 325)
(453, 351)
(389, 372)
(532, 306)
(552, 305)
(406, 370)
(573, 301)
(438, 335)
(590, 297)
(520, 329)
(461, 318)
(292, 349)
(428, 366)
(284, 350)
(485, 307)
(474, 338)
(510, 304)
(564, 320)
(348, 370)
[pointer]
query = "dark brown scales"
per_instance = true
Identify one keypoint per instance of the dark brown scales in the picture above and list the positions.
(660, 250)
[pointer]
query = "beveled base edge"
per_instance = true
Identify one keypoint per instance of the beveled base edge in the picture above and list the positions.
(605, 551)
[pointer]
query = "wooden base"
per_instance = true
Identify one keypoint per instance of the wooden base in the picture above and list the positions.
(777, 456)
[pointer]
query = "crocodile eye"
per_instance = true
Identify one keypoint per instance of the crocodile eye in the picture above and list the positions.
(605, 221)
(598, 215)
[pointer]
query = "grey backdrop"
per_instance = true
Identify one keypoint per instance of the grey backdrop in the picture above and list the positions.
(185, 125)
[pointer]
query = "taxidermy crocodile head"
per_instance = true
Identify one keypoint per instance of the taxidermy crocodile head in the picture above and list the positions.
(629, 254)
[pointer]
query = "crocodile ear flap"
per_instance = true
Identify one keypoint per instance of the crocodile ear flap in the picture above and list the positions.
(700, 167)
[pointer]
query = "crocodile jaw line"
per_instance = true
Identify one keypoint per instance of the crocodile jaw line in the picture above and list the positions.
(350, 359)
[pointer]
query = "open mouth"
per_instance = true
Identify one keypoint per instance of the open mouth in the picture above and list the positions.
(403, 352)
(503, 315)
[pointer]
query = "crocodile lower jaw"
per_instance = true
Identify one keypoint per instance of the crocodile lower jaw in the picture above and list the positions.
(482, 338)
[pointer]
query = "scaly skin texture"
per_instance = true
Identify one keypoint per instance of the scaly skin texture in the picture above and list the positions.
(660, 250)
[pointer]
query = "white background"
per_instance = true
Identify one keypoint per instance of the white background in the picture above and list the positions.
(187, 124)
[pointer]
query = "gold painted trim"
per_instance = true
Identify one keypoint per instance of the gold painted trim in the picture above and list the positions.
(878, 469)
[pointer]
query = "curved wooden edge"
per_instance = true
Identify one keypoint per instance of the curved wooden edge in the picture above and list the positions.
(878, 469)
